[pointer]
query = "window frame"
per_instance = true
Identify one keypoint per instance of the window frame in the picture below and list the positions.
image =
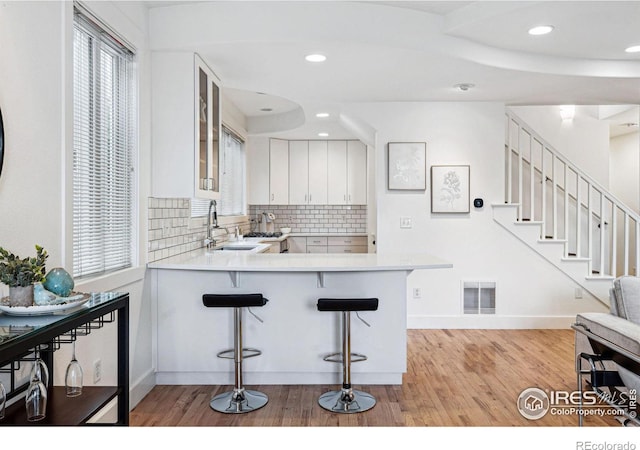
(133, 144)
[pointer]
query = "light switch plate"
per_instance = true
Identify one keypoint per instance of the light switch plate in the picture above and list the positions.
(405, 222)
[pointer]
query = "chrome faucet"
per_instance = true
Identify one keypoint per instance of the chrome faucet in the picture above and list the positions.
(210, 242)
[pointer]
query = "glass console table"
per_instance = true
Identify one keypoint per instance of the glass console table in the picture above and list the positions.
(22, 336)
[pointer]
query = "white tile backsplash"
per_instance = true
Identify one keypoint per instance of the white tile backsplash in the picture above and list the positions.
(173, 231)
(314, 218)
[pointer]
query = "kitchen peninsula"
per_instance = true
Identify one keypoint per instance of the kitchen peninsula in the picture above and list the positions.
(293, 336)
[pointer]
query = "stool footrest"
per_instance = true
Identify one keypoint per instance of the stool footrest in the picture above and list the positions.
(337, 357)
(246, 353)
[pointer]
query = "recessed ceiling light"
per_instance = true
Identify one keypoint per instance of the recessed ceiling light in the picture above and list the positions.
(322, 115)
(540, 30)
(633, 49)
(323, 134)
(464, 86)
(266, 109)
(316, 57)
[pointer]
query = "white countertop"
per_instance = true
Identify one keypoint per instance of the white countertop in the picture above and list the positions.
(246, 261)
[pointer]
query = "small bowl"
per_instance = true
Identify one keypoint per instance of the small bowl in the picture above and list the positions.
(285, 230)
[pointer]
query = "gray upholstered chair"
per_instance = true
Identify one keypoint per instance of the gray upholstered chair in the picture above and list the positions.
(608, 347)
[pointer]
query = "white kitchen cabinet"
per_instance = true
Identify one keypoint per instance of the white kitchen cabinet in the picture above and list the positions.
(298, 172)
(257, 173)
(318, 172)
(347, 173)
(356, 173)
(278, 172)
(186, 98)
(307, 172)
(328, 244)
(337, 173)
(347, 244)
(297, 244)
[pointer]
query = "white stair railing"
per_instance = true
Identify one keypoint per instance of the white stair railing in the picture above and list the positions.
(569, 204)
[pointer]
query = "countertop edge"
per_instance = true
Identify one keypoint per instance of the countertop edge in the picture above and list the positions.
(369, 262)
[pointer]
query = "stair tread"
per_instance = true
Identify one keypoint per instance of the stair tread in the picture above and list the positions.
(552, 241)
(575, 259)
(600, 277)
(528, 222)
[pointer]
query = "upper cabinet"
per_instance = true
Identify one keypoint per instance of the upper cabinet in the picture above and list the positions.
(347, 173)
(356, 173)
(307, 172)
(278, 172)
(207, 131)
(185, 117)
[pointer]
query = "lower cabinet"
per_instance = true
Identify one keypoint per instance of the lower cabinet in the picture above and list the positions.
(328, 244)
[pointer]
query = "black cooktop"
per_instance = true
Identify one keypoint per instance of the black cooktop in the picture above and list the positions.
(275, 234)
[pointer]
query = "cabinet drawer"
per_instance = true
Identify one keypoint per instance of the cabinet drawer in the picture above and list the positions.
(316, 248)
(347, 248)
(317, 240)
(347, 240)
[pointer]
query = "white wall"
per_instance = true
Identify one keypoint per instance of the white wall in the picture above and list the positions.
(625, 185)
(35, 199)
(583, 140)
(530, 292)
(624, 169)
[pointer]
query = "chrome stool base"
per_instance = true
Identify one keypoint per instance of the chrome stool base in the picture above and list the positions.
(238, 401)
(347, 401)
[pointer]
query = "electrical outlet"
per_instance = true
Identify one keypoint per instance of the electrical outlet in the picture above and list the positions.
(405, 222)
(97, 371)
(417, 293)
(578, 293)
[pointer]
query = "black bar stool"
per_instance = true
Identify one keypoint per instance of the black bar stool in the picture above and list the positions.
(347, 400)
(239, 400)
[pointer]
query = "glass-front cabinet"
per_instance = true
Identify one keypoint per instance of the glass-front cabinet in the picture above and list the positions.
(207, 131)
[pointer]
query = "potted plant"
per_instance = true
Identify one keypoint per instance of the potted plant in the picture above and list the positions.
(21, 273)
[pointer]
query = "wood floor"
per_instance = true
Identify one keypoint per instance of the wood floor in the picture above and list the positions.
(455, 378)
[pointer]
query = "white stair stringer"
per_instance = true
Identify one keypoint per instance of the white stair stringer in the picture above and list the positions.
(552, 250)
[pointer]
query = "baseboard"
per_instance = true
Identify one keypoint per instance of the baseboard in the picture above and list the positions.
(141, 387)
(137, 391)
(273, 378)
(494, 322)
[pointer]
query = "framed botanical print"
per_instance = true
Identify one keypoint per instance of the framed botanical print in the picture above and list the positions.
(407, 165)
(450, 189)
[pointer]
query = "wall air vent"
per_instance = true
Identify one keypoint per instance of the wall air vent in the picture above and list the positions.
(479, 297)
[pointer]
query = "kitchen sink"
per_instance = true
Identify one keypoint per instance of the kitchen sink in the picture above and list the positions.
(237, 247)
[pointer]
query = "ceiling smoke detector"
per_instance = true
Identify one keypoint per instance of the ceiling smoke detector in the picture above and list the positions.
(464, 86)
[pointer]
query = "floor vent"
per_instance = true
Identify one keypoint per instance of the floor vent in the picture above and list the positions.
(479, 297)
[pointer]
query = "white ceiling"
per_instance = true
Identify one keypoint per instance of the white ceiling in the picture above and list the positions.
(407, 51)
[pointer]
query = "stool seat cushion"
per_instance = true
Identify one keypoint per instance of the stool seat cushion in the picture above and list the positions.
(233, 300)
(347, 304)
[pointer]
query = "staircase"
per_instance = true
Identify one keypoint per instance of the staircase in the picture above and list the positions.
(569, 219)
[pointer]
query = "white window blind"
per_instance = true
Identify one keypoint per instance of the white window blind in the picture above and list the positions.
(103, 143)
(232, 179)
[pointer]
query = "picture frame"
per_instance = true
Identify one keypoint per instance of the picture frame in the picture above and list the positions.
(407, 166)
(450, 189)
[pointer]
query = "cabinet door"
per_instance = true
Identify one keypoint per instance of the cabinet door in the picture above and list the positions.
(297, 244)
(257, 170)
(356, 173)
(207, 131)
(318, 173)
(337, 172)
(278, 172)
(298, 172)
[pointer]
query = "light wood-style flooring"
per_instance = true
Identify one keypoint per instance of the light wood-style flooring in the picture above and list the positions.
(454, 378)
